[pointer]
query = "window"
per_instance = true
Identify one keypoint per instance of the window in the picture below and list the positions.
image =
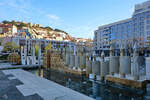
(148, 33)
(148, 7)
(148, 21)
(141, 18)
(148, 27)
(138, 10)
(148, 16)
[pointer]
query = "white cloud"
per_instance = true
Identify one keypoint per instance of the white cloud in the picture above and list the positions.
(54, 19)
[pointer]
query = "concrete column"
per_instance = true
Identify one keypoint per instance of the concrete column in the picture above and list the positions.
(135, 63)
(125, 64)
(67, 57)
(96, 67)
(88, 66)
(82, 61)
(77, 61)
(148, 68)
(72, 60)
(113, 63)
(104, 67)
(64, 54)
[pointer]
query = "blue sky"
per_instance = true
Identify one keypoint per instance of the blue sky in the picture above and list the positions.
(77, 17)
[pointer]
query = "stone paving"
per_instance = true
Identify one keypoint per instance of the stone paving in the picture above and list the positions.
(18, 84)
(5, 66)
(8, 90)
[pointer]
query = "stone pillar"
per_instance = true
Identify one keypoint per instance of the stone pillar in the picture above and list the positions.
(82, 59)
(64, 54)
(125, 64)
(135, 62)
(104, 67)
(113, 63)
(88, 66)
(96, 67)
(67, 57)
(148, 68)
(77, 61)
(72, 60)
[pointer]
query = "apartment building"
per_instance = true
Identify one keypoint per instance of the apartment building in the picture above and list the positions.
(127, 32)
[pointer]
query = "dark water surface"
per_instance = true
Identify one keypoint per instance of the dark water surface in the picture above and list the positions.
(97, 90)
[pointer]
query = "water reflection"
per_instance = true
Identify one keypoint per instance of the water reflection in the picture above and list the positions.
(99, 91)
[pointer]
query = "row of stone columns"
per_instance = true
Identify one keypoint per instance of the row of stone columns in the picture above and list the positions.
(120, 65)
(116, 65)
(77, 61)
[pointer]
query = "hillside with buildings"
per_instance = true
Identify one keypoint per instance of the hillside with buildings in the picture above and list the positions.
(35, 31)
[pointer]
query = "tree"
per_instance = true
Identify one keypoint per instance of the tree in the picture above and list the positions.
(13, 22)
(48, 47)
(58, 30)
(22, 25)
(10, 47)
(48, 28)
(36, 49)
(5, 22)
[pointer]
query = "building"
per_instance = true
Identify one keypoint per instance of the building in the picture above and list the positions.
(136, 28)
(8, 29)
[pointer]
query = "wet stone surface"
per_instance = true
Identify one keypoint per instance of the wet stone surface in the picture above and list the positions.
(8, 90)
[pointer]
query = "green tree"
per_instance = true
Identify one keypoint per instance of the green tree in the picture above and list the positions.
(48, 47)
(13, 22)
(22, 25)
(58, 30)
(36, 49)
(48, 28)
(5, 22)
(10, 47)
